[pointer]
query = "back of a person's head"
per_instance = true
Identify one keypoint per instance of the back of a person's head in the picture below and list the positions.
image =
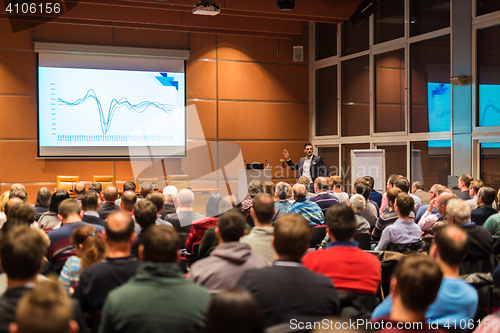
(69, 207)
(370, 180)
(282, 190)
(452, 244)
(476, 185)
(392, 178)
(21, 251)
(21, 194)
(404, 203)
(444, 197)
(321, 183)
(129, 186)
(263, 205)
(96, 187)
(110, 193)
(17, 187)
(392, 194)
(255, 187)
(231, 225)
(304, 181)
(234, 310)
(20, 214)
(269, 188)
(341, 222)
(128, 200)
(170, 192)
(80, 188)
(145, 213)
(157, 199)
(419, 279)
(119, 227)
(161, 244)
(459, 211)
(337, 181)
(292, 236)
(43, 197)
(185, 197)
(90, 200)
(466, 179)
(487, 195)
(56, 199)
(212, 207)
(45, 309)
(299, 191)
(358, 202)
(146, 188)
(93, 247)
(362, 186)
(227, 203)
(418, 185)
(403, 183)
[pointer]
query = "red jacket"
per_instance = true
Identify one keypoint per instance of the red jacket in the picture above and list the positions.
(198, 229)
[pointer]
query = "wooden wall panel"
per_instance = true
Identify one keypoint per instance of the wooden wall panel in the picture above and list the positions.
(206, 115)
(151, 38)
(263, 82)
(143, 168)
(73, 34)
(18, 116)
(200, 79)
(202, 46)
(278, 121)
(201, 160)
(17, 73)
(22, 40)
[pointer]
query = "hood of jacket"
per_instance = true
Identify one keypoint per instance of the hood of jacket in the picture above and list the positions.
(235, 252)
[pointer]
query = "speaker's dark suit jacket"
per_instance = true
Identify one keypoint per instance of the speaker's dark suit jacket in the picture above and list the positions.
(318, 167)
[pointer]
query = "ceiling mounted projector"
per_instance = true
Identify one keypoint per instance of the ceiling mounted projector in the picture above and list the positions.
(205, 7)
(285, 5)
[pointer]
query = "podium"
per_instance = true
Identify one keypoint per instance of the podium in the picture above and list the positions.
(246, 176)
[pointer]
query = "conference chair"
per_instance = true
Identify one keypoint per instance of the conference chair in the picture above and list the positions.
(66, 182)
(139, 181)
(179, 181)
(319, 233)
(104, 180)
(364, 241)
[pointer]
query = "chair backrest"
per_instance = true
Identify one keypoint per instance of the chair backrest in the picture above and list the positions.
(142, 180)
(104, 180)
(195, 255)
(66, 182)
(364, 241)
(319, 233)
(179, 181)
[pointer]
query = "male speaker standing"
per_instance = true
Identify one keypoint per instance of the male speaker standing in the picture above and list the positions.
(310, 166)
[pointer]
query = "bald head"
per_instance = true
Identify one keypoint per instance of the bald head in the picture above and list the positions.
(321, 185)
(442, 201)
(110, 193)
(80, 188)
(451, 245)
(262, 209)
(128, 200)
(11, 202)
(299, 191)
(119, 228)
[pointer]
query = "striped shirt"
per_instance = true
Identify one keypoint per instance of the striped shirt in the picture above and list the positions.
(70, 273)
(324, 201)
(309, 210)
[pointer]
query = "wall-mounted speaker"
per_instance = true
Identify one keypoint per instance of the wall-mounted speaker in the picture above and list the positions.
(367, 8)
(298, 54)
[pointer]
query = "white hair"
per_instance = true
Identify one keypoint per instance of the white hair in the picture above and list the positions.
(171, 191)
(185, 197)
(459, 210)
(358, 202)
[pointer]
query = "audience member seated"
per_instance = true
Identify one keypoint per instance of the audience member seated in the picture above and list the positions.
(117, 268)
(96, 187)
(269, 189)
(108, 198)
(404, 230)
(479, 256)
(146, 188)
(434, 192)
(127, 186)
(21, 254)
(463, 185)
(158, 298)
(303, 206)
(79, 189)
(45, 309)
(9, 203)
(254, 187)
(337, 190)
(49, 220)
(21, 213)
(485, 199)
(200, 226)
(90, 204)
(307, 183)
(158, 199)
(358, 204)
(322, 198)
(456, 300)
(234, 310)
(60, 248)
(374, 195)
(350, 268)
(414, 286)
(42, 202)
(287, 290)
(474, 187)
(90, 249)
(183, 219)
(404, 184)
(417, 189)
(389, 217)
(145, 217)
(492, 223)
(223, 267)
(389, 185)
(429, 220)
(18, 193)
(281, 204)
(260, 236)
(127, 202)
(362, 186)
(170, 194)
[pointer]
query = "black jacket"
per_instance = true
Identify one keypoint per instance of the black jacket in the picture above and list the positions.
(318, 167)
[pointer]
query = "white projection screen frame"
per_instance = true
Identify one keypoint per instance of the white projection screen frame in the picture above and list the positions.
(120, 119)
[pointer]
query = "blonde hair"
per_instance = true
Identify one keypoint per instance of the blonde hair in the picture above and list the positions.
(3, 200)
